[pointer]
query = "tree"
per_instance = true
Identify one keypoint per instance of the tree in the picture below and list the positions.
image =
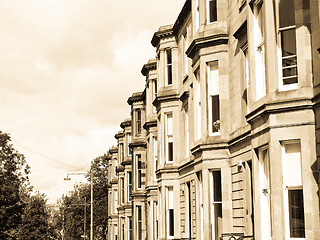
(99, 168)
(35, 219)
(72, 207)
(14, 187)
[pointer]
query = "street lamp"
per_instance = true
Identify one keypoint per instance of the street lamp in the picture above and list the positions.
(91, 202)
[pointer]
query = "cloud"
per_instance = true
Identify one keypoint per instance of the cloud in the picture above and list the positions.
(67, 70)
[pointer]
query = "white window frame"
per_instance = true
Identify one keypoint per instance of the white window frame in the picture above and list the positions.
(139, 171)
(168, 66)
(213, 90)
(296, 185)
(169, 206)
(259, 35)
(139, 222)
(208, 11)
(129, 180)
(155, 156)
(283, 87)
(213, 203)
(169, 135)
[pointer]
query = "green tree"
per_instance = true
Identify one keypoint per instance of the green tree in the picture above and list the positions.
(14, 187)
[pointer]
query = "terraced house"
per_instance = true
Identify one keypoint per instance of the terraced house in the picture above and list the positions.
(224, 141)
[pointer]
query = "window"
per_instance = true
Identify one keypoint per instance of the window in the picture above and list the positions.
(129, 186)
(155, 156)
(287, 32)
(213, 95)
(197, 14)
(139, 223)
(185, 58)
(121, 152)
(139, 171)
(259, 24)
(170, 212)
(216, 205)
(186, 131)
(169, 137)
(138, 121)
(122, 228)
(129, 141)
(264, 190)
(115, 201)
(115, 232)
(188, 210)
(122, 190)
(169, 66)
(212, 11)
(197, 106)
(130, 237)
(293, 190)
(156, 220)
(200, 203)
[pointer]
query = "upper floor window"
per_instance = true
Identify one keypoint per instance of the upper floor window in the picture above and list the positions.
(170, 212)
(155, 156)
(197, 105)
(216, 204)
(287, 32)
(197, 14)
(259, 25)
(213, 97)
(121, 152)
(139, 171)
(122, 190)
(129, 186)
(212, 13)
(138, 121)
(168, 66)
(129, 141)
(169, 137)
(293, 190)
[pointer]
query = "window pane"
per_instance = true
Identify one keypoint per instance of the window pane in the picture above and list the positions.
(286, 13)
(218, 219)
(171, 222)
(296, 213)
(215, 113)
(217, 197)
(170, 151)
(169, 68)
(213, 10)
(288, 43)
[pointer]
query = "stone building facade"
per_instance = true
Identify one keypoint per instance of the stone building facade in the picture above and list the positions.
(225, 138)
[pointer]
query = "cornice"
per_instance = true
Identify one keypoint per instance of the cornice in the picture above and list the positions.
(163, 32)
(149, 124)
(127, 162)
(151, 65)
(208, 41)
(126, 123)
(136, 97)
(113, 150)
(276, 107)
(184, 96)
(186, 9)
(119, 135)
(138, 144)
(166, 95)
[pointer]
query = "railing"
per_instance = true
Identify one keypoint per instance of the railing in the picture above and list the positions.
(235, 236)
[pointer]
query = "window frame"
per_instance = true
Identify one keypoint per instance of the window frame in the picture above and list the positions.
(209, 11)
(281, 29)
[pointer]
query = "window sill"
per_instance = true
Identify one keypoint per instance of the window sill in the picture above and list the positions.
(289, 87)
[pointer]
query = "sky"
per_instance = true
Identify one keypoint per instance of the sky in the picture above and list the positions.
(67, 70)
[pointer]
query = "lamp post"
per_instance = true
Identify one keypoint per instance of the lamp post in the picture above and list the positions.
(91, 196)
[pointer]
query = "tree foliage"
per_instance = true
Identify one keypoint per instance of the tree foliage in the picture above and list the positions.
(23, 216)
(72, 207)
(35, 219)
(14, 188)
